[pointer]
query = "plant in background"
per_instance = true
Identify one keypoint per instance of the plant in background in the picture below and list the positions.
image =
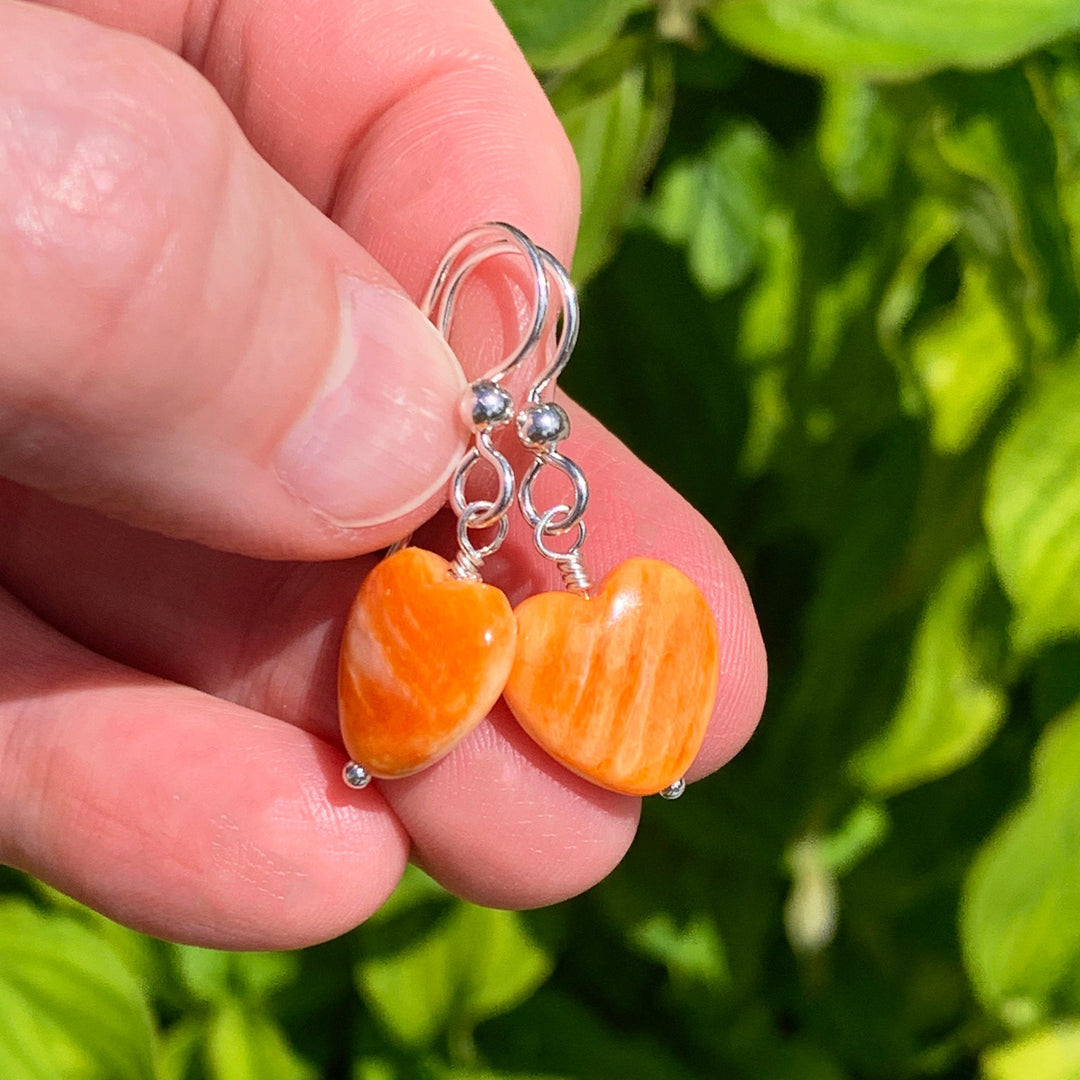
(835, 244)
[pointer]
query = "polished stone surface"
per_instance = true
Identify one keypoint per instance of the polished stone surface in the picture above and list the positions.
(619, 687)
(423, 659)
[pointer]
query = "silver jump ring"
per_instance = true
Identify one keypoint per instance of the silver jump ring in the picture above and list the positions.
(472, 518)
(543, 528)
(576, 477)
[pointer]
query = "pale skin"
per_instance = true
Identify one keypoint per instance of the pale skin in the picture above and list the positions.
(184, 186)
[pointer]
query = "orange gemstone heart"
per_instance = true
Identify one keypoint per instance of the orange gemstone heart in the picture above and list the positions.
(424, 657)
(619, 687)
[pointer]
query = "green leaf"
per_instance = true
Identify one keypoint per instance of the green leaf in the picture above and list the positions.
(69, 1006)
(966, 360)
(476, 964)
(211, 975)
(715, 205)
(950, 708)
(564, 33)
(984, 286)
(245, 1044)
(143, 956)
(1055, 82)
(892, 39)
(1032, 510)
(693, 951)
(858, 140)
(1019, 928)
(181, 1049)
(770, 312)
(984, 149)
(415, 890)
(931, 225)
(1050, 1054)
(863, 830)
(615, 111)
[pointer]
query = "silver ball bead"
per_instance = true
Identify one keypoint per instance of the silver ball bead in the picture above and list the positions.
(542, 426)
(485, 405)
(356, 776)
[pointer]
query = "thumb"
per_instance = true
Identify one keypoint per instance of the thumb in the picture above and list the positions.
(185, 343)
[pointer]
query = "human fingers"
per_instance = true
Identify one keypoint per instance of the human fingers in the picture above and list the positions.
(267, 636)
(407, 123)
(177, 813)
(188, 344)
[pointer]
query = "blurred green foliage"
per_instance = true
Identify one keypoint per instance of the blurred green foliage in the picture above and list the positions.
(833, 245)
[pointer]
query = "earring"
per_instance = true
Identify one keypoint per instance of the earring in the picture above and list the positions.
(617, 681)
(427, 646)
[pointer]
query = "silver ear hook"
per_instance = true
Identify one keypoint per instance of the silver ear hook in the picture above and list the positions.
(567, 330)
(475, 247)
(542, 425)
(486, 405)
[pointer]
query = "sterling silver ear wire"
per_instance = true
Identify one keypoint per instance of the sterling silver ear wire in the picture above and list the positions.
(541, 426)
(486, 404)
(417, 727)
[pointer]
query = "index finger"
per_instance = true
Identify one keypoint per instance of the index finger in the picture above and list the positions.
(407, 122)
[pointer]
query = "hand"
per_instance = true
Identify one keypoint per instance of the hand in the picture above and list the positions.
(214, 397)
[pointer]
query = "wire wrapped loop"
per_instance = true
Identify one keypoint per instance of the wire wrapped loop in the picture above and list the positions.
(470, 557)
(570, 562)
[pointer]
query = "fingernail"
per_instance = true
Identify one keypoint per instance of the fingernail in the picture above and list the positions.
(383, 433)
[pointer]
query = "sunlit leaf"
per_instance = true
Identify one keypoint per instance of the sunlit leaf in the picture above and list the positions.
(1055, 82)
(982, 287)
(885, 39)
(1033, 510)
(715, 205)
(246, 1044)
(858, 140)
(213, 975)
(770, 312)
(858, 834)
(68, 1005)
(144, 956)
(1018, 922)
(562, 33)
(992, 160)
(1050, 1054)
(692, 952)
(476, 964)
(181, 1049)
(950, 706)
(615, 111)
(966, 361)
(931, 225)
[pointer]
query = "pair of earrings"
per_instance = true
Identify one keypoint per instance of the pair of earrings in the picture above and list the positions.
(616, 682)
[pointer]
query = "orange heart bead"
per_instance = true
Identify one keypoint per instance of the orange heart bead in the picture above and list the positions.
(618, 687)
(424, 657)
